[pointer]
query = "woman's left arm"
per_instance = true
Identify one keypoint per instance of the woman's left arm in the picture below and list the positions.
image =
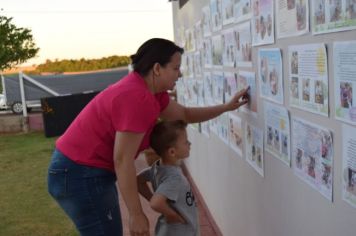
(175, 111)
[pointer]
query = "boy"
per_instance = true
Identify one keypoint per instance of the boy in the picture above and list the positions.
(172, 196)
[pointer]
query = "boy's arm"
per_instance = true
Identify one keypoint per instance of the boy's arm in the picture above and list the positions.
(159, 203)
(142, 185)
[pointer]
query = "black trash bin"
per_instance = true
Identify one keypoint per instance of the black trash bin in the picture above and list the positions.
(59, 112)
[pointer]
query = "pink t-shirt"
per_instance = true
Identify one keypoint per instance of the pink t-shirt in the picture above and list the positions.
(127, 105)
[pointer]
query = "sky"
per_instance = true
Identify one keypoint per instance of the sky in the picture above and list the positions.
(74, 29)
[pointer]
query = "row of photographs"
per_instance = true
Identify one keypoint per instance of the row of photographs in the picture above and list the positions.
(308, 79)
(289, 17)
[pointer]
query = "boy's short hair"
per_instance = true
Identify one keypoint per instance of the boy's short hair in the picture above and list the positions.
(164, 135)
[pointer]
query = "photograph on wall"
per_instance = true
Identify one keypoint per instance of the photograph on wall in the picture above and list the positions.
(191, 98)
(198, 35)
(218, 87)
(228, 41)
(197, 64)
(207, 53)
(349, 164)
(205, 129)
(227, 12)
(345, 81)
(235, 133)
(216, 15)
(213, 125)
(208, 88)
(254, 147)
(333, 15)
(243, 44)
(217, 51)
(312, 155)
(292, 18)
(223, 127)
(308, 78)
(187, 65)
(189, 40)
(199, 85)
(242, 10)
(270, 74)
(277, 132)
(231, 85)
(262, 22)
(206, 20)
(195, 127)
(248, 79)
(181, 91)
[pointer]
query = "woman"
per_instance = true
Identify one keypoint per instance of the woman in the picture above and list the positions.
(101, 144)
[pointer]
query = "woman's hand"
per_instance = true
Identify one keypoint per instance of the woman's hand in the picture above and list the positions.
(240, 98)
(139, 225)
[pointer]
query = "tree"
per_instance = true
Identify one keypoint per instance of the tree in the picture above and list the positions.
(16, 44)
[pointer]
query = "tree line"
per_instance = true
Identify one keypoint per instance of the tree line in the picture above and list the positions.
(60, 66)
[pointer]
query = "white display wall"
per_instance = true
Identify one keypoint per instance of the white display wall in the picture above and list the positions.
(285, 165)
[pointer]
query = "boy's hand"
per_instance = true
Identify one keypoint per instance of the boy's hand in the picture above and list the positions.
(175, 218)
(159, 204)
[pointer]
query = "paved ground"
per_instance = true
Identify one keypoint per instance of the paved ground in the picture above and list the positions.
(206, 227)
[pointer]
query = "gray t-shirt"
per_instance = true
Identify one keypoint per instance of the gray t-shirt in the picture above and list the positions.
(170, 181)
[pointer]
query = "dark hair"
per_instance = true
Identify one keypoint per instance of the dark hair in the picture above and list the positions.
(155, 50)
(164, 135)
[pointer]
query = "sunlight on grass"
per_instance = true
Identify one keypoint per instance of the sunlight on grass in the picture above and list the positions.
(26, 207)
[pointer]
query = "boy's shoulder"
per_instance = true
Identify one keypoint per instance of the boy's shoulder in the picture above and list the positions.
(165, 172)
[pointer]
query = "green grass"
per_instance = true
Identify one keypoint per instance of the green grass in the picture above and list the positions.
(26, 207)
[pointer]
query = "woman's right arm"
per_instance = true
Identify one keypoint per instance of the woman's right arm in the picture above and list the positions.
(175, 111)
(125, 149)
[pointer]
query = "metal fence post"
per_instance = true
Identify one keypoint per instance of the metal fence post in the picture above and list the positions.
(25, 125)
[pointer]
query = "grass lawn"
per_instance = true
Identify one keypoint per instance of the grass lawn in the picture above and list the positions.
(26, 207)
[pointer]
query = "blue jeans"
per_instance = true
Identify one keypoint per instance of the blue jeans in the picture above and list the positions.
(88, 196)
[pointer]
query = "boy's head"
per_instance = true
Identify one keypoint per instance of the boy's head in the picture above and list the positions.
(169, 139)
